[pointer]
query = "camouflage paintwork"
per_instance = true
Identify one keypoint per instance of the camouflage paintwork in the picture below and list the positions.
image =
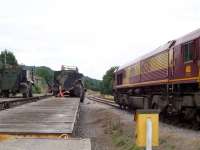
(15, 79)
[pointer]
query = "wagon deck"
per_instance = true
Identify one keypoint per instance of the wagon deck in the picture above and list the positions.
(49, 116)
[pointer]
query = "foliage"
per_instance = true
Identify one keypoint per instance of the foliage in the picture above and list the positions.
(92, 84)
(8, 58)
(37, 89)
(104, 86)
(121, 137)
(45, 73)
(107, 83)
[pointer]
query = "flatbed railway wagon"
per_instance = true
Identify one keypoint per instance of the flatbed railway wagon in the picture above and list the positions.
(167, 78)
(68, 82)
(49, 124)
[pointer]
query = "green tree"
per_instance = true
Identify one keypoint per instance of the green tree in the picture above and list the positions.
(44, 76)
(92, 84)
(7, 57)
(107, 83)
(45, 73)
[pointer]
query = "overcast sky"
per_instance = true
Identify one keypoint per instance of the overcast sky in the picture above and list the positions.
(93, 35)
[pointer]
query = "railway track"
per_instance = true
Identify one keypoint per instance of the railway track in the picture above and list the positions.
(178, 122)
(6, 103)
(104, 101)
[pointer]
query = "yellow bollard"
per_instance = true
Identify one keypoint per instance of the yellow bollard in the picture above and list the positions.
(147, 120)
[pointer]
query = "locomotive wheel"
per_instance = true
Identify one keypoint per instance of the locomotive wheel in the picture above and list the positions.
(130, 108)
(155, 106)
(196, 121)
(123, 107)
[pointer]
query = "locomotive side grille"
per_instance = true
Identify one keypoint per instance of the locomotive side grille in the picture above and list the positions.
(155, 67)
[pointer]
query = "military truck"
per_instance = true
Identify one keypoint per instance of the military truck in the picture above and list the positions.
(68, 82)
(15, 79)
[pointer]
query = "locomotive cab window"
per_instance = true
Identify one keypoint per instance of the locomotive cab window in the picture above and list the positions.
(188, 51)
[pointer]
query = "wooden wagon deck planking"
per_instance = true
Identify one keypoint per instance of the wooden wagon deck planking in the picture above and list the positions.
(52, 115)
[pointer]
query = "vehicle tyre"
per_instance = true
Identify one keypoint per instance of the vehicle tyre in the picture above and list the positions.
(7, 94)
(82, 96)
(71, 93)
(77, 90)
(30, 94)
(26, 93)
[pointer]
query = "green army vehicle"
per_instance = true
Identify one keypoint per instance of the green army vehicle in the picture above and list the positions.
(15, 79)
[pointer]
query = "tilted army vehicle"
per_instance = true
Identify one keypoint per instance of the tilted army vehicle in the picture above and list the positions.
(68, 81)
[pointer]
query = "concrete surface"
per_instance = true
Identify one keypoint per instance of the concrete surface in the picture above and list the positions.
(46, 144)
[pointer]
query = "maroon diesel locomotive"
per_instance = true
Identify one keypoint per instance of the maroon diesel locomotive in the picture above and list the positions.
(167, 78)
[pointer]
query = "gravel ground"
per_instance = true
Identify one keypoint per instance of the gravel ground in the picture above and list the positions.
(91, 125)
(96, 120)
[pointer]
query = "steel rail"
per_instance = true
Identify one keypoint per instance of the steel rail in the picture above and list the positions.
(104, 101)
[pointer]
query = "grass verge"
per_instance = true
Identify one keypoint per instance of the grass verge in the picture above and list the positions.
(121, 139)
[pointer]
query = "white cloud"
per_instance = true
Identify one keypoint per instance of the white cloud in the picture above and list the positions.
(94, 35)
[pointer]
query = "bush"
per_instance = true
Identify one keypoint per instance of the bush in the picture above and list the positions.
(37, 89)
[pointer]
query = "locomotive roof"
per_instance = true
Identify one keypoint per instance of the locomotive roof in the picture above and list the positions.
(156, 51)
(186, 38)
